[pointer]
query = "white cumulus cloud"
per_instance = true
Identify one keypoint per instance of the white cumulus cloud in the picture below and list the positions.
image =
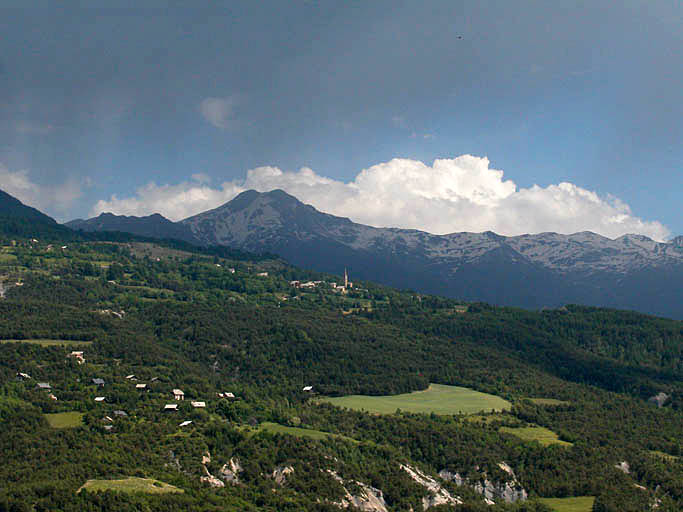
(451, 195)
(218, 111)
(54, 200)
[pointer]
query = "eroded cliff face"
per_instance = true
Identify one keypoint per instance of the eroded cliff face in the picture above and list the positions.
(508, 491)
(368, 499)
(438, 495)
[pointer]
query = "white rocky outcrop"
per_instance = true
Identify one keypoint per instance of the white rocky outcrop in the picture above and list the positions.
(208, 478)
(509, 492)
(369, 499)
(659, 399)
(230, 471)
(623, 466)
(280, 474)
(437, 494)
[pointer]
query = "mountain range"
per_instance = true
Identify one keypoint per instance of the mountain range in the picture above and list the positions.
(530, 271)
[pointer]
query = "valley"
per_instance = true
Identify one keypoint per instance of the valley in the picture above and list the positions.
(130, 366)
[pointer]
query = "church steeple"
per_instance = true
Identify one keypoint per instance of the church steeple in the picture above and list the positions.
(346, 279)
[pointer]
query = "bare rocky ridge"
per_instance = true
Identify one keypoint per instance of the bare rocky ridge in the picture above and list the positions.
(546, 269)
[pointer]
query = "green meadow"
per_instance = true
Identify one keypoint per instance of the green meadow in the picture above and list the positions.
(130, 485)
(541, 434)
(577, 504)
(276, 428)
(65, 419)
(437, 398)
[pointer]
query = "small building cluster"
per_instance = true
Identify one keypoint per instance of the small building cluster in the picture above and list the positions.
(336, 287)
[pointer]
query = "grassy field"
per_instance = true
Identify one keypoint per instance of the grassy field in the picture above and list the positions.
(548, 401)
(49, 343)
(578, 504)
(276, 428)
(130, 485)
(438, 399)
(65, 419)
(541, 434)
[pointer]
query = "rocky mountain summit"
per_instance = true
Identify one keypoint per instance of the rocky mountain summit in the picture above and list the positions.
(546, 269)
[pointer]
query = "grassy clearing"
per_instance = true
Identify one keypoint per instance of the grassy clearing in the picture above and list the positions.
(65, 419)
(437, 398)
(541, 434)
(548, 401)
(49, 343)
(276, 428)
(131, 485)
(578, 504)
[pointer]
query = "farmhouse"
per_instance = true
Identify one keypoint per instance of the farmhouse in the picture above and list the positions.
(141, 386)
(308, 388)
(262, 274)
(178, 394)
(120, 414)
(44, 385)
(131, 377)
(198, 404)
(52, 397)
(99, 399)
(171, 407)
(98, 382)
(23, 376)
(185, 423)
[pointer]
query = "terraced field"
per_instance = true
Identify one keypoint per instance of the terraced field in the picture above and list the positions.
(437, 399)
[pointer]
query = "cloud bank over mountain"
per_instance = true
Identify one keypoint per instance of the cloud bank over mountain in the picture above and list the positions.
(451, 195)
(56, 199)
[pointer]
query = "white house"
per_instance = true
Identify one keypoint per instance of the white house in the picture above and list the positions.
(171, 407)
(178, 394)
(308, 388)
(198, 404)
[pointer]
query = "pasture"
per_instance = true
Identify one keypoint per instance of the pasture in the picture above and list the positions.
(276, 428)
(577, 504)
(65, 419)
(541, 434)
(437, 399)
(131, 485)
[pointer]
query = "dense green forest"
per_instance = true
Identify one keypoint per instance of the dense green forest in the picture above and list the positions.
(211, 320)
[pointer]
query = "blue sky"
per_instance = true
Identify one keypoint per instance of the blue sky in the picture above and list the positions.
(118, 108)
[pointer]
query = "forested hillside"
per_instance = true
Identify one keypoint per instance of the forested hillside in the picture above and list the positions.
(244, 335)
